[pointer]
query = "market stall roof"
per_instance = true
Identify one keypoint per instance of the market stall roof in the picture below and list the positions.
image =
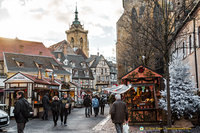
(141, 72)
(23, 77)
(118, 89)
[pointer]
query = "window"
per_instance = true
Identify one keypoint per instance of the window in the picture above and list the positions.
(65, 62)
(40, 53)
(184, 50)
(81, 40)
(72, 41)
(20, 64)
(86, 73)
(105, 70)
(190, 44)
(76, 73)
(39, 65)
(101, 71)
(1, 67)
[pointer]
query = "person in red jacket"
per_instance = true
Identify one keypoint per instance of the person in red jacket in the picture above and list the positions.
(119, 113)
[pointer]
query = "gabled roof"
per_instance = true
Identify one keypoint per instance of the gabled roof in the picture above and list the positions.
(59, 47)
(33, 78)
(141, 72)
(29, 63)
(96, 60)
(22, 46)
(80, 52)
(78, 59)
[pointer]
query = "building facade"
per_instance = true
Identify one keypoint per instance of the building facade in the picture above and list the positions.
(186, 42)
(100, 70)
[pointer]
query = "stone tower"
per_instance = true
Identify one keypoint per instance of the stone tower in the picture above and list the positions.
(77, 36)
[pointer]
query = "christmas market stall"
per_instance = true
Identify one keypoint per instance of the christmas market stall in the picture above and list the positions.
(34, 87)
(142, 95)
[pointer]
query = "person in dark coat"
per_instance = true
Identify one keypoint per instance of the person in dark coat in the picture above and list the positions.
(64, 109)
(19, 111)
(102, 104)
(119, 113)
(55, 108)
(87, 103)
(45, 103)
(70, 104)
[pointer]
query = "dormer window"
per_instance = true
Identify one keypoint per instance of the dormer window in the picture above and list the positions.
(19, 62)
(72, 64)
(38, 64)
(75, 73)
(83, 64)
(86, 73)
(54, 65)
(65, 62)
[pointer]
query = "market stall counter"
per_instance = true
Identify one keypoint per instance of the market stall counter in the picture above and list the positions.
(34, 88)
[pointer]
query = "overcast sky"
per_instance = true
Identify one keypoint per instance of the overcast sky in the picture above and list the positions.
(47, 20)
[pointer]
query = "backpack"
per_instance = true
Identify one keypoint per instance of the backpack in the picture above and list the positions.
(95, 103)
(28, 110)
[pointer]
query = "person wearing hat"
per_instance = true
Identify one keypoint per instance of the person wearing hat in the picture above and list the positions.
(64, 108)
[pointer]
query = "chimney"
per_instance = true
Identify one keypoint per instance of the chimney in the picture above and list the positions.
(65, 49)
(97, 53)
(39, 76)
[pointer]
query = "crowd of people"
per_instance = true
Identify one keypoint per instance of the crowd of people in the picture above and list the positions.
(94, 102)
(62, 107)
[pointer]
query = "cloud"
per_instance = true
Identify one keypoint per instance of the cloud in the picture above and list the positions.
(47, 20)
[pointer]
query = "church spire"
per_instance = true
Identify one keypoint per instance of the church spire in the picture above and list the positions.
(76, 22)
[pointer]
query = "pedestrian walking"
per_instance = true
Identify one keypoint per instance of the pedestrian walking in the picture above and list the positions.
(64, 109)
(95, 105)
(119, 113)
(19, 112)
(87, 103)
(70, 104)
(90, 96)
(102, 104)
(45, 103)
(55, 108)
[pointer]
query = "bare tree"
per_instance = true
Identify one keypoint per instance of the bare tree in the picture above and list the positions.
(151, 33)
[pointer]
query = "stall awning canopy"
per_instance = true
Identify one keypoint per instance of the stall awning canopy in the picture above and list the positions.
(141, 72)
(23, 77)
(118, 89)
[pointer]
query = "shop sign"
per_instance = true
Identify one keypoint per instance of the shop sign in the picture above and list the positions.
(19, 78)
(53, 87)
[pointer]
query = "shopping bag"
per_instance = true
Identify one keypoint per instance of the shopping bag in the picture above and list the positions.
(125, 128)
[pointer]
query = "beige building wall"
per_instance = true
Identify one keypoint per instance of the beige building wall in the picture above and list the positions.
(183, 38)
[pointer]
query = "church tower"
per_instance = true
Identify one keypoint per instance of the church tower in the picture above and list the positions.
(77, 36)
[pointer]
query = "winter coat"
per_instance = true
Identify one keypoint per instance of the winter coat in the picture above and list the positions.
(19, 111)
(87, 102)
(119, 112)
(95, 103)
(55, 106)
(45, 102)
(63, 103)
(102, 101)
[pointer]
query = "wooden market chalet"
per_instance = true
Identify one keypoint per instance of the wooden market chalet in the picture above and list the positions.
(143, 95)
